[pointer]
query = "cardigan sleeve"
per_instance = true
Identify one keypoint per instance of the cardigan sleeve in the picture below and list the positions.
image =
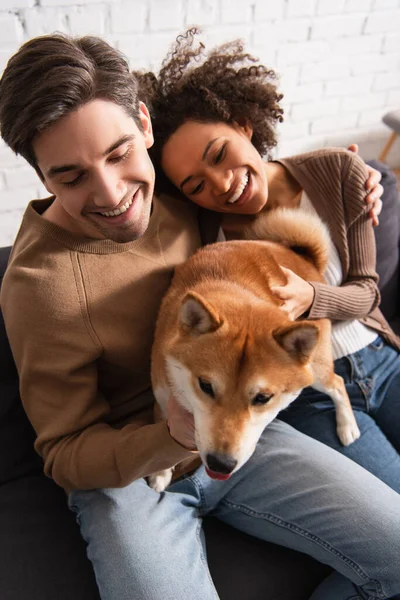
(358, 294)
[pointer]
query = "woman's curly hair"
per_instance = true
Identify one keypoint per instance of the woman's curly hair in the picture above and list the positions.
(226, 85)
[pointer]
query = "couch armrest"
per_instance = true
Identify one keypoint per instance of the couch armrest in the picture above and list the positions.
(387, 236)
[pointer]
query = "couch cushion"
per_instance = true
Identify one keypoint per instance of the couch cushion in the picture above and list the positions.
(245, 568)
(17, 457)
(387, 236)
(43, 556)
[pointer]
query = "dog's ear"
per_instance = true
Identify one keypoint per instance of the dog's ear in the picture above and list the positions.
(198, 315)
(298, 339)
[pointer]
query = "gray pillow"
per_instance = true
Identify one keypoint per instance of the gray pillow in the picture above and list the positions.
(387, 236)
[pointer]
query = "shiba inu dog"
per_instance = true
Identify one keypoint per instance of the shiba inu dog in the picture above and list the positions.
(229, 353)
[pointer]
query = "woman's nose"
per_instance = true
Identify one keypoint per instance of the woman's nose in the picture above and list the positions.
(221, 181)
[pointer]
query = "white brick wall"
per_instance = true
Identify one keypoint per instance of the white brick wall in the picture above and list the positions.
(339, 62)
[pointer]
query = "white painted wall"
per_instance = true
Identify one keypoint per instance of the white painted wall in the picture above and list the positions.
(339, 62)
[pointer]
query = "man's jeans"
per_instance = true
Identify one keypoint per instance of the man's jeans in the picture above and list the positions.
(372, 378)
(294, 491)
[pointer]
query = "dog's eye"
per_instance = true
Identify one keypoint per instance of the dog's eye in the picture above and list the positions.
(261, 399)
(206, 387)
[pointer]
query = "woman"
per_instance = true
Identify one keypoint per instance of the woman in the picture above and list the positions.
(214, 121)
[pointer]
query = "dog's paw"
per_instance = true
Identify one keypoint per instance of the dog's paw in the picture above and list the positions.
(348, 433)
(160, 480)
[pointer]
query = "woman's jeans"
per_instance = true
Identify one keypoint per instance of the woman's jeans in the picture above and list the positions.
(293, 491)
(372, 378)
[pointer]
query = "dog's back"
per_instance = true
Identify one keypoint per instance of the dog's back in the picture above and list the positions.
(283, 237)
(304, 233)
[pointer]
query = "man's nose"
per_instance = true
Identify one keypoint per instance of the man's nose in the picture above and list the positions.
(109, 191)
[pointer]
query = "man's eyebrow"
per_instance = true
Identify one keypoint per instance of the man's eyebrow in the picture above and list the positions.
(56, 170)
(120, 142)
(61, 169)
(204, 156)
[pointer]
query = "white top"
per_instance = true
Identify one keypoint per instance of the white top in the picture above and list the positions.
(347, 336)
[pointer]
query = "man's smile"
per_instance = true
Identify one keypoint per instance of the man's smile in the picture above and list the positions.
(118, 211)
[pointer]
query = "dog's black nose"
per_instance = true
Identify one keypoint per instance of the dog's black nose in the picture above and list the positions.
(220, 463)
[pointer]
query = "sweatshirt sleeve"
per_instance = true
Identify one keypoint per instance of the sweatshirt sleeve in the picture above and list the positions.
(358, 294)
(56, 354)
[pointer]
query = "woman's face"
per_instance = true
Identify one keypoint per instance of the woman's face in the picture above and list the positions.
(217, 166)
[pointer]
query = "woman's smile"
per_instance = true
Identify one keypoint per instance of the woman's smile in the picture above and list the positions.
(243, 191)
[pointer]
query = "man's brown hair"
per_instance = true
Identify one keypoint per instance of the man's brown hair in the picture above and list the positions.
(53, 75)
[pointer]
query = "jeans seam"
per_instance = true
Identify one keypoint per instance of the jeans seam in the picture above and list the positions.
(204, 506)
(303, 532)
(377, 345)
(365, 396)
(357, 376)
(204, 557)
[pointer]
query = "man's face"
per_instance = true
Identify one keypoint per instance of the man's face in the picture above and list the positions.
(95, 162)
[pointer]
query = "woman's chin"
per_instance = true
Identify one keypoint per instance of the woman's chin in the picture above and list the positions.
(255, 206)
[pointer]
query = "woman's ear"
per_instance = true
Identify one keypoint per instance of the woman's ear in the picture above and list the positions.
(243, 124)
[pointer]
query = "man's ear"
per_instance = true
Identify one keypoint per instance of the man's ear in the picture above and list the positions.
(145, 119)
(42, 178)
(245, 127)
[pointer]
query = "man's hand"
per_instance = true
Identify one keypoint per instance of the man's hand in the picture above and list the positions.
(181, 424)
(297, 294)
(374, 189)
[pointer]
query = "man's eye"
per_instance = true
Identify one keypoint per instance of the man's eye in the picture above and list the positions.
(206, 387)
(220, 155)
(197, 189)
(121, 157)
(73, 182)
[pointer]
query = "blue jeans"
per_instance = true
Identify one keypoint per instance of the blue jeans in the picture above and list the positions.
(293, 491)
(372, 378)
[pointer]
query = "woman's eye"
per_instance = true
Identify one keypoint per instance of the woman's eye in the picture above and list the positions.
(220, 155)
(197, 189)
(206, 387)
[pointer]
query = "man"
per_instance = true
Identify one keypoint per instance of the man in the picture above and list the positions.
(80, 298)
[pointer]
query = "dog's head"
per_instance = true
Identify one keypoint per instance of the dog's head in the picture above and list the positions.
(235, 366)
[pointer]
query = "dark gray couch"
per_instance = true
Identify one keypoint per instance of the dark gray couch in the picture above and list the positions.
(42, 554)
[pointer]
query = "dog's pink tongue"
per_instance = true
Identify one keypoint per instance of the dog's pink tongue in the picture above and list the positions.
(215, 475)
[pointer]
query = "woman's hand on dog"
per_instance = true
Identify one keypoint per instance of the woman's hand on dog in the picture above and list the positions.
(297, 295)
(374, 190)
(181, 424)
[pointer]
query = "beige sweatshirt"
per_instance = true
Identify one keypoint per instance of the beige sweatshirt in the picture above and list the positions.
(80, 316)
